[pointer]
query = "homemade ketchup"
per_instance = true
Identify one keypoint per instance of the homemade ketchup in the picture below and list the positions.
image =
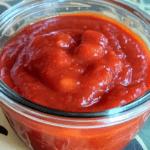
(76, 63)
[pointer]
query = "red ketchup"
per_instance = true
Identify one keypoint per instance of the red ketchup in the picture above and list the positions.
(76, 63)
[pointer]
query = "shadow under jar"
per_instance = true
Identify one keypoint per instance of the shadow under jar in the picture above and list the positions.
(43, 128)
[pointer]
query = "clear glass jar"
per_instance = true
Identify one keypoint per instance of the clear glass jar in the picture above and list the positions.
(44, 129)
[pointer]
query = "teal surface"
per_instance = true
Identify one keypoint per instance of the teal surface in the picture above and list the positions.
(142, 4)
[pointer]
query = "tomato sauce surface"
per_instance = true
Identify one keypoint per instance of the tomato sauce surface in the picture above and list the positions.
(76, 63)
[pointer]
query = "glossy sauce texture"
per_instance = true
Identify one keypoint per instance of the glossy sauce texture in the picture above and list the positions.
(76, 63)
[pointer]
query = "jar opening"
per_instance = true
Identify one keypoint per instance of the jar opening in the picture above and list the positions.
(4, 89)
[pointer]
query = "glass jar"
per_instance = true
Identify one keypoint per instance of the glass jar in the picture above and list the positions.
(43, 128)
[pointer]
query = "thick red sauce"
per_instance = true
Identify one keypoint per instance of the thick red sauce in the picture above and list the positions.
(76, 63)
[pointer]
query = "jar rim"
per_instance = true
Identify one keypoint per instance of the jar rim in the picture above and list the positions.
(139, 102)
